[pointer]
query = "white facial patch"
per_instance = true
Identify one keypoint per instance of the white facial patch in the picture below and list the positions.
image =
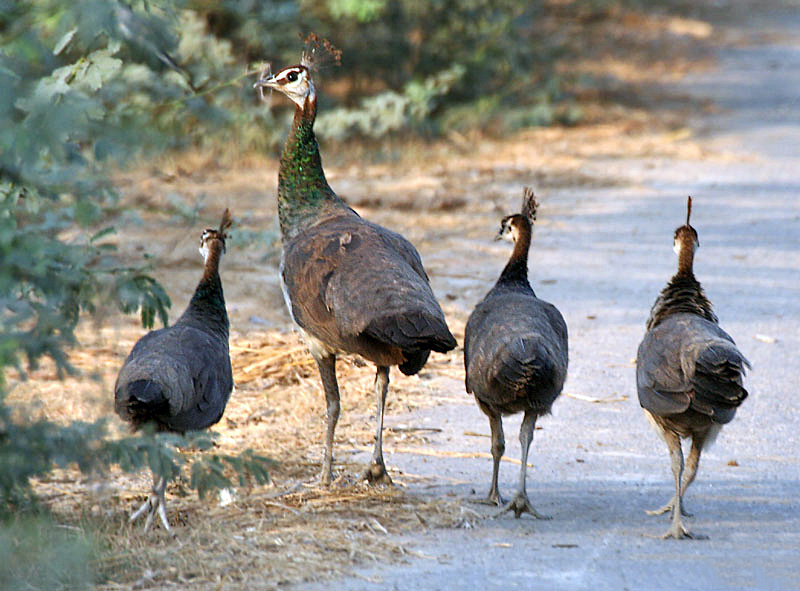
(204, 249)
(508, 233)
(294, 83)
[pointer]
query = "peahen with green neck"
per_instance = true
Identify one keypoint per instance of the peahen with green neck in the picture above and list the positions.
(351, 286)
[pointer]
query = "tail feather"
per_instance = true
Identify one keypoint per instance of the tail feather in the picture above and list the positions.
(413, 331)
(717, 381)
(145, 401)
(414, 361)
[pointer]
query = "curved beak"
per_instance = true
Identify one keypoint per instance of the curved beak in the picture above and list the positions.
(498, 236)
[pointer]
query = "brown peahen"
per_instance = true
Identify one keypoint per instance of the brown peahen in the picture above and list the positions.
(515, 353)
(688, 372)
(351, 286)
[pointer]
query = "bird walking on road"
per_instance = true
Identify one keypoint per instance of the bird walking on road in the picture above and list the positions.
(515, 353)
(688, 373)
(179, 378)
(351, 286)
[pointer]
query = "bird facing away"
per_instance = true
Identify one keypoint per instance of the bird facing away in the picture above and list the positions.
(515, 353)
(351, 286)
(179, 378)
(688, 372)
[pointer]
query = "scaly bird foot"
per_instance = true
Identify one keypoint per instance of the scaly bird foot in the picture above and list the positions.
(519, 505)
(376, 474)
(669, 507)
(154, 505)
(493, 498)
(325, 476)
(678, 531)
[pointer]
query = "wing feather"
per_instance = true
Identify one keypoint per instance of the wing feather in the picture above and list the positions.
(349, 279)
(687, 361)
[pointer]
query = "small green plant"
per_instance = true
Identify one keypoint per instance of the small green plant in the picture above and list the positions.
(41, 556)
(391, 111)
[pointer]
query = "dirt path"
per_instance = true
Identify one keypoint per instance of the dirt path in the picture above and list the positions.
(602, 255)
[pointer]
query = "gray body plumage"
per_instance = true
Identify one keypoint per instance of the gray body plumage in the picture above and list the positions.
(188, 364)
(689, 373)
(515, 352)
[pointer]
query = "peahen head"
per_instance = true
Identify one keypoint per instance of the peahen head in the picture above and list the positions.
(294, 81)
(215, 239)
(686, 236)
(511, 227)
(515, 225)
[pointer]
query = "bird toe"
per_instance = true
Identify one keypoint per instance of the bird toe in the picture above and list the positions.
(376, 474)
(519, 505)
(678, 531)
(493, 498)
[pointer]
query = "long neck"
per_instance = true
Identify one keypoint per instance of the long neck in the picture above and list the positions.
(208, 302)
(686, 261)
(516, 270)
(303, 191)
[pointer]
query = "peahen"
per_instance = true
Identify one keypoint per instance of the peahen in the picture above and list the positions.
(351, 286)
(179, 378)
(688, 372)
(515, 353)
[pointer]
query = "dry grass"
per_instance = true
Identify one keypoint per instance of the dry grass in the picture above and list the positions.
(267, 538)
(288, 531)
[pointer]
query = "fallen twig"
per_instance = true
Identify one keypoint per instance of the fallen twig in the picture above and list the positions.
(592, 399)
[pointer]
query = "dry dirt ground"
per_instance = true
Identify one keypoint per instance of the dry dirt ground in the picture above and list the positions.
(720, 121)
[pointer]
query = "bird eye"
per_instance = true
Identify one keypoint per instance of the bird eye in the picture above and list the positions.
(291, 76)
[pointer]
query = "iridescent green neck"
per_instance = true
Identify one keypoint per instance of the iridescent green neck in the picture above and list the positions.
(303, 192)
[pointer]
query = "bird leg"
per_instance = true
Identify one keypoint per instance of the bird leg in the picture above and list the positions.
(670, 506)
(155, 504)
(498, 447)
(689, 473)
(327, 373)
(520, 503)
(376, 473)
(677, 530)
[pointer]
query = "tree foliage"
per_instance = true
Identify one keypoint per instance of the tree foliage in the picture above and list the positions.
(40, 556)
(392, 48)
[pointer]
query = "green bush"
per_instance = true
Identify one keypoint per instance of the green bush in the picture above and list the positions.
(394, 50)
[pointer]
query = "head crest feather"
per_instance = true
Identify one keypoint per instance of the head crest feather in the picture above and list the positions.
(529, 204)
(319, 52)
(688, 209)
(225, 223)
